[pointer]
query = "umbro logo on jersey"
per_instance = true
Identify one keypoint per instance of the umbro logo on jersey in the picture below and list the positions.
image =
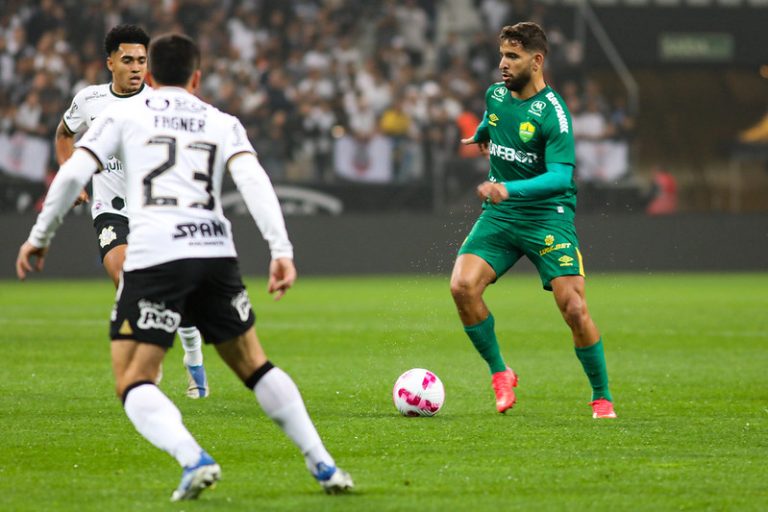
(565, 261)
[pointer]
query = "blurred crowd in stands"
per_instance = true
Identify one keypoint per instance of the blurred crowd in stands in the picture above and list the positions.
(329, 90)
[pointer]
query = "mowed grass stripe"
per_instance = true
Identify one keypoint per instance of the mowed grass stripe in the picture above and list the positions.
(687, 356)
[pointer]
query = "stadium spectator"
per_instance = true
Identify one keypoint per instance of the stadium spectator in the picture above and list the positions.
(267, 57)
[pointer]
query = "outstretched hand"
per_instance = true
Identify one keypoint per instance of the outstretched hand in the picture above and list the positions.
(24, 260)
(282, 274)
(493, 192)
(482, 146)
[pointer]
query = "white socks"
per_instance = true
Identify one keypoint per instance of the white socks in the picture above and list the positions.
(159, 421)
(192, 343)
(280, 398)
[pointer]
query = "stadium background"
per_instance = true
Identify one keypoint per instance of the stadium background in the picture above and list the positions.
(356, 109)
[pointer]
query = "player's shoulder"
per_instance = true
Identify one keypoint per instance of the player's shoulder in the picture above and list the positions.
(553, 109)
(496, 89)
(91, 93)
(554, 100)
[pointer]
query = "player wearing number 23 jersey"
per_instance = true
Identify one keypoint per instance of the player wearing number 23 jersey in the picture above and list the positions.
(176, 148)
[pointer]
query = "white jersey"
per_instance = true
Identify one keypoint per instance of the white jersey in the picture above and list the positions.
(174, 149)
(108, 185)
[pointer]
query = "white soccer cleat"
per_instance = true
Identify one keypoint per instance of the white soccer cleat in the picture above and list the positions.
(333, 480)
(197, 478)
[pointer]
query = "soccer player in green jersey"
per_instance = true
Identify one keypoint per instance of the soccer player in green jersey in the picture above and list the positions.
(528, 210)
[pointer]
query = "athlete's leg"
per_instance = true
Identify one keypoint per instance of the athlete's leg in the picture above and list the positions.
(155, 417)
(113, 262)
(569, 292)
(192, 343)
(280, 398)
(471, 276)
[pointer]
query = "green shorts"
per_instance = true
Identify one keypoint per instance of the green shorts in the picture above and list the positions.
(551, 245)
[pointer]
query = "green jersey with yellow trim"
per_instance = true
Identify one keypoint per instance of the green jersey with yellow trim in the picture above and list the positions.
(524, 136)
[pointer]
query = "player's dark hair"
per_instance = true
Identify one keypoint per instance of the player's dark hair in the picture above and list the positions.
(173, 58)
(530, 36)
(131, 34)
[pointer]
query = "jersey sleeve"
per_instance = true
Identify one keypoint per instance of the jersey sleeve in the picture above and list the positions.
(74, 118)
(102, 139)
(236, 140)
(559, 141)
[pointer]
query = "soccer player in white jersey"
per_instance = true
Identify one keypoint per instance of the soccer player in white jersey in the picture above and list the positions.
(126, 49)
(181, 258)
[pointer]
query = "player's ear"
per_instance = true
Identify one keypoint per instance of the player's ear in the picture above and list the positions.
(538, 61)
(109, 63)
(195, 80)
(149, 79)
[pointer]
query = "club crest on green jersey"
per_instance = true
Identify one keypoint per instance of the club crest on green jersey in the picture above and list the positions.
(526, 131)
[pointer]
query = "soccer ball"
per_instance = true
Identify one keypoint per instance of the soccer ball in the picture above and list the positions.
(418, 392)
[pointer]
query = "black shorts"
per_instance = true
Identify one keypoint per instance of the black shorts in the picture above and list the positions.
(111, 231)
(208, 292)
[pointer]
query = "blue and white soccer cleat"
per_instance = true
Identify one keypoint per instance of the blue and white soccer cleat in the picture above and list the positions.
(333, 480)
(195, 479)
(197, 380)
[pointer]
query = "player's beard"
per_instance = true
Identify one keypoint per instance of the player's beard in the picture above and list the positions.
(518, 82)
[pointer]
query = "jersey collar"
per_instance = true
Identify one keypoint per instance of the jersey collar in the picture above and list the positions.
(123, 96)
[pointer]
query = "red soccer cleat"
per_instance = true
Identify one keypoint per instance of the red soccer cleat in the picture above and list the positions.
(602, 408)
(503, 384)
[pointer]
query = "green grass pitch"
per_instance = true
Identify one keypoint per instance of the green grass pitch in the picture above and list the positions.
(687, 356)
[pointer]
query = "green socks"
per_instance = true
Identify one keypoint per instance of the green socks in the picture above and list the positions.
(483, 338)
(593, 360)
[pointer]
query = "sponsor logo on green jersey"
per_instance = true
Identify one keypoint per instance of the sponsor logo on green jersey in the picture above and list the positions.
(561, 117)
(565, 261)
(512, 155)
(537, 107)
(499, 93)
(526, 131)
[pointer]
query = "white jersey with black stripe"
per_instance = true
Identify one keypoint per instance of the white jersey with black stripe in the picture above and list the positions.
(109, 185)
(174, 149)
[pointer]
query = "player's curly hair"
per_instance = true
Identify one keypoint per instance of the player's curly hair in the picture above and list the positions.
(132, 34)
(529, 34)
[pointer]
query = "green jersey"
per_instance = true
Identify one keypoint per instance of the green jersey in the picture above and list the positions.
(524, 136)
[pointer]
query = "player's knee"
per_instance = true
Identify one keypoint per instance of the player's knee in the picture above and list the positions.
(464, 289)
(574, 311)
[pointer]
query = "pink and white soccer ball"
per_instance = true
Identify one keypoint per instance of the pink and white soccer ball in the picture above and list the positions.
(418, 392)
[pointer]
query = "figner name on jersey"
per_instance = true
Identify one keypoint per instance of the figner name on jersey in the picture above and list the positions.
(188, 124)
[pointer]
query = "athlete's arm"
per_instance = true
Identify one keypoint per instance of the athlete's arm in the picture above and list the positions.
(67, 184)
(260, 198)
(558, 178)
(64, 144)
(481, 136)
